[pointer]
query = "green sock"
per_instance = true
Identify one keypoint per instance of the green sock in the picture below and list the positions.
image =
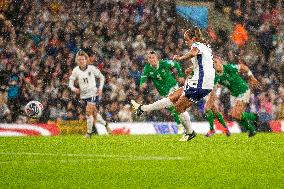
(174, 114)
(249, 116)
(221, 119)
(210, 117)
(246, 123)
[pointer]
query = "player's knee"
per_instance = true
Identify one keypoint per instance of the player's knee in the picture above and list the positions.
(179, 109)
(236, 115)
(207, 108)
(90, 111)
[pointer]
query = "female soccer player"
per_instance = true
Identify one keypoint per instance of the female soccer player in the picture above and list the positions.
(159, 71)
(211, 111)
(195, 88)
(86, 75)
(228, 75)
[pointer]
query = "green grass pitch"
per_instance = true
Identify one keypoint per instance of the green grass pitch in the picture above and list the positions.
(159, 161)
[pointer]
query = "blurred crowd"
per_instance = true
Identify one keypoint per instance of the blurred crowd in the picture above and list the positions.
(257, 40)
(39, 39)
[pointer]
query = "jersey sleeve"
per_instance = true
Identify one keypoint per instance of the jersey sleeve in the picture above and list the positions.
(72, 79)
(233, 67)
(144, 76)
(99, 75)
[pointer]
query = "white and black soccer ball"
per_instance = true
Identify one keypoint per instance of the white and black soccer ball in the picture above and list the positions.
(34, 109)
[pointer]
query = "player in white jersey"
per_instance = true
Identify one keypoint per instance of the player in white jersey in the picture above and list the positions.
(86, 76)
(195, 88)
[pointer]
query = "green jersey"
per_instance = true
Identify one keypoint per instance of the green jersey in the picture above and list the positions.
(162, 76)
(232, 80)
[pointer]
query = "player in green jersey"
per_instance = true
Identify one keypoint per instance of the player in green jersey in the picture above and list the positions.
(228, 75)
(211, 111)
(160, 73)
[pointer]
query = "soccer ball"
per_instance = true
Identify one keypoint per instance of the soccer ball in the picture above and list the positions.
(34, 109)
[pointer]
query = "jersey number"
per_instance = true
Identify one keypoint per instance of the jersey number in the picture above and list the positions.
(85, 80)
(159, 77)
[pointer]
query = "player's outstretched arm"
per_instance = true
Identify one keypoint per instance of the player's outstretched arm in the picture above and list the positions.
(253, 82)
(192, 53)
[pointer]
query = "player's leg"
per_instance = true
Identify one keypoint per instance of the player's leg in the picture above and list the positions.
(209, 114)
(158, 105)
(221, 120)
(237, 113)
(174, 114)
(103, 122)
(219, 116)
(250, 116)
(91, 118)
(210, 118)
(181, 105)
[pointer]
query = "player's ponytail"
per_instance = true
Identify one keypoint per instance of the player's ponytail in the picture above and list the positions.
(198, 33)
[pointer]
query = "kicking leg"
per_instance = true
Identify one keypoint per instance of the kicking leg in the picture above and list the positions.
(158, 105)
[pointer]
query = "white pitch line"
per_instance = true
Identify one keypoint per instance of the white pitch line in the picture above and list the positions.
(47, 161)
(101, 156)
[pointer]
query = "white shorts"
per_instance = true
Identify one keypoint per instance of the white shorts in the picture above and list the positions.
(245, 97)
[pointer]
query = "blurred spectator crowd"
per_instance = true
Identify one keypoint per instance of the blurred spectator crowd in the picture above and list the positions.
(39, 39)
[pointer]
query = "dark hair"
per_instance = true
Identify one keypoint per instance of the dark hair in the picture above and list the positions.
(151, 52)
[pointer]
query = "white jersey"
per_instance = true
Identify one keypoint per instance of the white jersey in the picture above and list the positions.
(204, 72)
(87, 81)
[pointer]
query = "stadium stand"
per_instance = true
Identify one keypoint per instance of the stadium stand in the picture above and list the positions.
(38, 40)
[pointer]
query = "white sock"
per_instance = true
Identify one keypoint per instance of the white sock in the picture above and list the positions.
(90, 123)
(100, 119)
(185, 119)
(158, 105)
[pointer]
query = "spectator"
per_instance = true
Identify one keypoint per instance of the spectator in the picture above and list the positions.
(39, 43)
(125, 114)
(5, 113)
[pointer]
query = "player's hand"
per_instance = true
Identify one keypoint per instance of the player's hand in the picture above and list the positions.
(76, 91)
(177, 57)
(181, 80)
(99, 92)
(254, 82)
